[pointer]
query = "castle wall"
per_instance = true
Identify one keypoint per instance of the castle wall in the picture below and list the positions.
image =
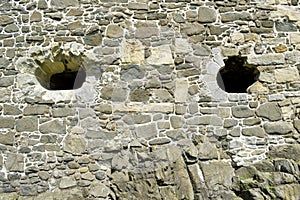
(151, 119)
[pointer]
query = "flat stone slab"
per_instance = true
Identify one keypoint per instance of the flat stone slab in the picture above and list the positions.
(140, 107)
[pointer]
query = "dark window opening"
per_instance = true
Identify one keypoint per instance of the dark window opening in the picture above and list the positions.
(66, 72)
(237, 75)
(67, 80)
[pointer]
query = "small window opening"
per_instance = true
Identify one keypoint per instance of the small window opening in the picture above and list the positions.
(237, 75)
(67, 80)
(65, 73)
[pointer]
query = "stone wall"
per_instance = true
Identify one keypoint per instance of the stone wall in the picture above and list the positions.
(151, 120)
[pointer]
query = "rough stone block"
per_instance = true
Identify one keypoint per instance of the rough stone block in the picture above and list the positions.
(64, 4)
(295, 38)
(288, 151)
(254, 131)
(270, 111)
(181, 90)
(11, 110)
(182, 45)
(146, 131)
(287, 75)
(5, 19)
(36, 110)
(205, 120)
(63, 112)
(14, 162)
(29, 124)
(161, 55)
(132, 52)
(242, 112)
(114, 31)
(54, 126)
(74, 144)
(67, 182)
(146, 31)
(7, 138)
(267, 59)
(192, 29)
(278, 128)
(206, 15)
(223, 177)
(5, 95)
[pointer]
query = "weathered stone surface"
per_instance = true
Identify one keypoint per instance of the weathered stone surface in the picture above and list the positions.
(279, 128)
(130, 72)
(100, 190)
(44, 175)
(162, 95)
(42, 4)
(257, 88)
(270, 111)
(297, 124)
(93, 39)
(6, 81)
(67, 182)
(64, 4)
(7, 122)
(11, 110)
(228, 123)
(207, 151)
(267, 59)
(182, 180)
(286, 27)
(206, 14)
(286, 75)
(14, 162)
(74, 144)
(114, 31)
(177, 121)
(140, 95)
(146, 131)
(27, 124)
(223, 177)
(254, 131)
(288, 151)
(28, 190)
(54, 126)
(242, 112)
(182, 45)
(5, 19)
(7, 138)
(181, 90)
(4, 95)
(192, 29)
(137, 6)
(295, 38)
(132, 52)
(231, 16)
(137, 107)
(160, 55)
(36, 110)
(104, 108)
(205, 120)
(36, 17)
(63, 112)
(146, 30)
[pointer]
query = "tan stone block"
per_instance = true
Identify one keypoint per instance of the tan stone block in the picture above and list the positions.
(286, 75)
(133, 52)
(181, 90)
(160, 55)
(295, 38)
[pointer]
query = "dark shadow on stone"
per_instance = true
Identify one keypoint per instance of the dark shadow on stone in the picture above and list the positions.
(237, 75)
